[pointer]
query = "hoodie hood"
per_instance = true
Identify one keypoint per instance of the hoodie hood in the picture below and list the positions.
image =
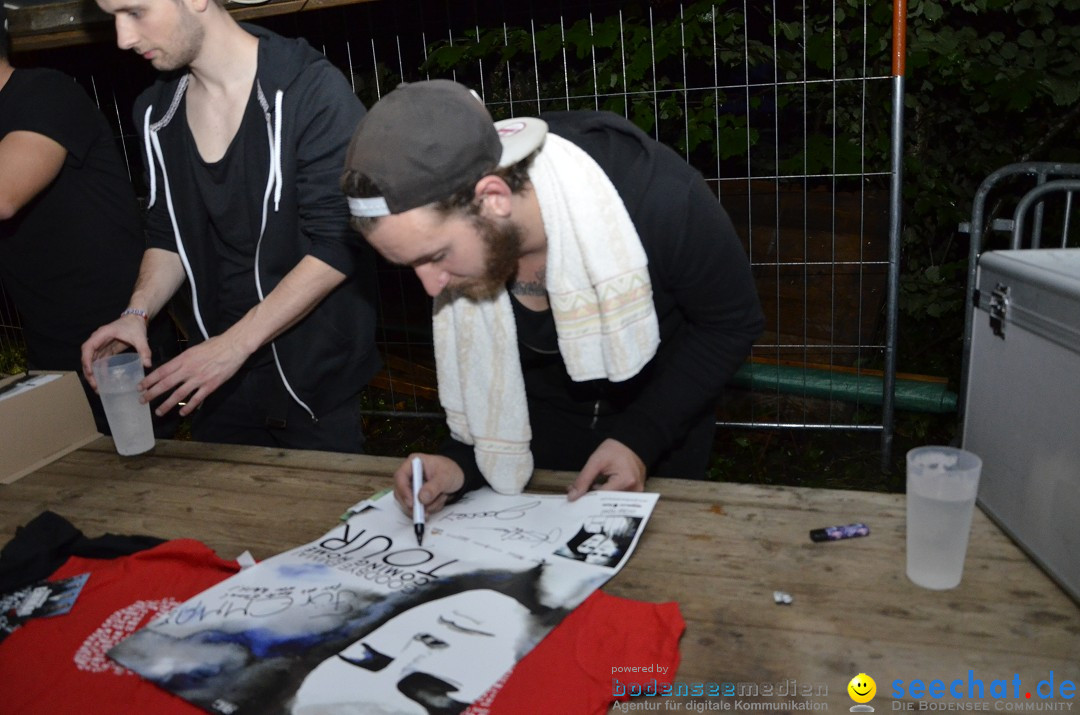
(280, 62)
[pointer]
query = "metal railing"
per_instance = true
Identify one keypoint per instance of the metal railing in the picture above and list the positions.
(1029, 189)
(786, 129)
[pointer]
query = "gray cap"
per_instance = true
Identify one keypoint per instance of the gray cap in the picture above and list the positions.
(424, 141)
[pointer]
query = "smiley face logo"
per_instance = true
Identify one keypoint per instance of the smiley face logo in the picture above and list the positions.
(862, 688)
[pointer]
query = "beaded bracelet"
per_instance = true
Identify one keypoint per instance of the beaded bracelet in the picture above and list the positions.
(136, 311)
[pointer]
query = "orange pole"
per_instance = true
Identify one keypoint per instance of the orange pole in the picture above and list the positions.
(899, 37)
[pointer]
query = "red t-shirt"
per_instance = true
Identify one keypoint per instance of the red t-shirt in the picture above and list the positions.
(58, 664)
(573, 670)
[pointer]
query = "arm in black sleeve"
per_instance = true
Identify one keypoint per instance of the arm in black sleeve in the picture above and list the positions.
(700, 270)
(464, 456)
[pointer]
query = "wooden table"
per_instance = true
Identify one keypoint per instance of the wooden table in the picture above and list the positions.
(719, 549)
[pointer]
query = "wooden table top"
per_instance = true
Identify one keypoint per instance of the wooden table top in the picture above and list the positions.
(719, 549)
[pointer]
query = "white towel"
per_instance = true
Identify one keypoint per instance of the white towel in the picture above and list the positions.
(601, 299)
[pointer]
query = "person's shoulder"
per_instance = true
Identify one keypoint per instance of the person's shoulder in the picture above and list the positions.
(601, 134)
(50, 90)
(47, 80)
(584, 121)
(41, 75)
(597, 130)
(307, 76)
(159, 94)
(282, 60)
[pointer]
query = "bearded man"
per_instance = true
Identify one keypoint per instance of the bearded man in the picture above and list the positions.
(591, 295)
(243, 143)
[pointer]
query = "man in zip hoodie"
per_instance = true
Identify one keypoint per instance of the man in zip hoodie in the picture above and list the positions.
(244, 136)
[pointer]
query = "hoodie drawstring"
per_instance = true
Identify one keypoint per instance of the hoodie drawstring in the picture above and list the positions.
(152, 140)
(278, 99)
(273, 184)
(149, 156)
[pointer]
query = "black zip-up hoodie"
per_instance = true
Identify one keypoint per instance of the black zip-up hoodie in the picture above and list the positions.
(311, 113)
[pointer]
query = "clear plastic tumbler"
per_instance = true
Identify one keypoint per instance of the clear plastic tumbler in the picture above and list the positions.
(118, 378)
(941, 486)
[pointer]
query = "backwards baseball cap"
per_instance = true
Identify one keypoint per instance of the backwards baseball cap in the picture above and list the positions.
(424, 141)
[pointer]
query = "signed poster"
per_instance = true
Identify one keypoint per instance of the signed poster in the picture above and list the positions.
(363, 620)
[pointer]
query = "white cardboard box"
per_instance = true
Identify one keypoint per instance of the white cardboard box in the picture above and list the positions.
(42, 419)
(1022, 400)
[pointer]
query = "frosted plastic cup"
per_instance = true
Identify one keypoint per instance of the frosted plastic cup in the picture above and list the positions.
(941, 486)
(118, 378)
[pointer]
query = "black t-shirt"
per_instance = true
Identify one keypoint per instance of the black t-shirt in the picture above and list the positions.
(224, 188)
(69, 258)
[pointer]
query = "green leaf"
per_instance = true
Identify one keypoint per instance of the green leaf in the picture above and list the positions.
(1064, 92)
(819, 50)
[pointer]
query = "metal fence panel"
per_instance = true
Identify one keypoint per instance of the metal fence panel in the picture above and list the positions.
(785, 110)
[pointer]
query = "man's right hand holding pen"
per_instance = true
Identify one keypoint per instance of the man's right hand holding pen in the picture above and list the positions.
(442, 477)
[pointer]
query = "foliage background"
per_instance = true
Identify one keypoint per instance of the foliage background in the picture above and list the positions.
(988, 82)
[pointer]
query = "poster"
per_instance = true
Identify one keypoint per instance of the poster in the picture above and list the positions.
(364, 620)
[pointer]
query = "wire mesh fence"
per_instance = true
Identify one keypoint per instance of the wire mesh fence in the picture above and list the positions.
(784, 109)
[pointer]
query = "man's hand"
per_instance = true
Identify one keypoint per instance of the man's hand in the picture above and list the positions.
(623, 469)
(193, 374)
(160, 275)
(126, 332)
(442, 477)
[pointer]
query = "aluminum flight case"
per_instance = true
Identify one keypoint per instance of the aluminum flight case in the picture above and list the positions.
(1022, 407)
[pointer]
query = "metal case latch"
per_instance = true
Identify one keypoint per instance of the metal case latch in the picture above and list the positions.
(998, 308)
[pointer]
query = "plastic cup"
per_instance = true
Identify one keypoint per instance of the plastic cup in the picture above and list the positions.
(941, 486)
(118, 378)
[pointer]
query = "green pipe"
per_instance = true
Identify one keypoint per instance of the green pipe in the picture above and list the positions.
(912, 395)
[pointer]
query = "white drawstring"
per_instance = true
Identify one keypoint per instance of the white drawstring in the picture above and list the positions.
(176, 230)
(149, 156)
(278, 98)
(274, 182)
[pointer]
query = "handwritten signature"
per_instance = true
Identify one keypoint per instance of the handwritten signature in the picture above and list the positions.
(526, 535)
(508, 514)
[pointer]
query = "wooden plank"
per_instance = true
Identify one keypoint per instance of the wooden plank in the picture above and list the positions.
(248, 11)
(719, 550)
(38, 26)
(716, 651)
(925, 619)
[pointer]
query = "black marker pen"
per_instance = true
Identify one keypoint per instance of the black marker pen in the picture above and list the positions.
(834, 533)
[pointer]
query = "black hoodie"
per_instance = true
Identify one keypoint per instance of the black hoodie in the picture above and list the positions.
(311, 112)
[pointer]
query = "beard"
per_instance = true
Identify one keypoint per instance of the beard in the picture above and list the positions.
(503, 246)
(186, 46)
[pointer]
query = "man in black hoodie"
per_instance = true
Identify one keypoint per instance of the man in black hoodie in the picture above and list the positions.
(591, 296)
(244, 137)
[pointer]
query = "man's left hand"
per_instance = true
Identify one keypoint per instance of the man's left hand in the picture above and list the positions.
(193, 374)
(623, 469)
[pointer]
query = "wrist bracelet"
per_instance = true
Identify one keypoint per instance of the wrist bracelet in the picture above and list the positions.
(136, 311)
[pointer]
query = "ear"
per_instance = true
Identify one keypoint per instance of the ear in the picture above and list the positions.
(494, 196)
